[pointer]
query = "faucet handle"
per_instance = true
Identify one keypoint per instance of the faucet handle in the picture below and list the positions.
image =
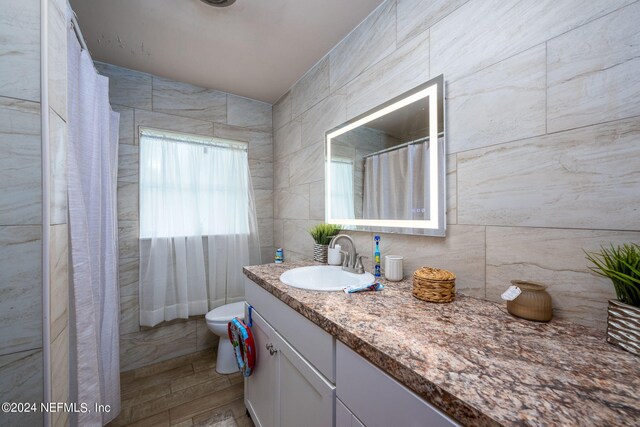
(359, 266)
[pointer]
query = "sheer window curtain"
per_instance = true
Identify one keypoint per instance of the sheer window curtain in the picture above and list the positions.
(198, 225)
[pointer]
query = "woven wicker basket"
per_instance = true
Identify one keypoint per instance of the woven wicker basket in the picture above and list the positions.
(434, 285)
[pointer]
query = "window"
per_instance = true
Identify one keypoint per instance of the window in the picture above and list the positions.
(190, 184)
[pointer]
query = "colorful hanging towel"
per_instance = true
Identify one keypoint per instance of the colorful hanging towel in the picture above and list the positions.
(243, 345)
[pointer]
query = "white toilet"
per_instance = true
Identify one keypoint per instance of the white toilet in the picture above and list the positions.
(217, 321)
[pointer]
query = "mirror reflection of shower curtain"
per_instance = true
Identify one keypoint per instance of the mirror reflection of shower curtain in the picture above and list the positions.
(396, 184)
(342, 202)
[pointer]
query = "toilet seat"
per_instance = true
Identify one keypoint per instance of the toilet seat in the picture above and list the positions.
(225, 313)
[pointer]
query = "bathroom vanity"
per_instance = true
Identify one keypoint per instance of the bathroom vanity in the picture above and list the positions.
(386, 358)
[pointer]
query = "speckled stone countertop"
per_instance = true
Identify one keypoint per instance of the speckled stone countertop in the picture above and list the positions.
(472, 359)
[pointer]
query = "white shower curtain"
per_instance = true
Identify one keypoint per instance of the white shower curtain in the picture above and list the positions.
(94, 295)
(197, 225)
(395, 184)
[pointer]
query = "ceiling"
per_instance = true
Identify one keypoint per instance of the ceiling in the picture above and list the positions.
(253, 48)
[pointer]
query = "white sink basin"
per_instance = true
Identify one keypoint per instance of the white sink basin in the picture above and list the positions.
(324, 278)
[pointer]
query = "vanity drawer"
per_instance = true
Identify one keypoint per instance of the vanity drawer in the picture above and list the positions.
(376, 399)
(313, 343)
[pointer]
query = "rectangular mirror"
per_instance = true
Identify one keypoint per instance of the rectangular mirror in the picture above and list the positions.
(385, 169)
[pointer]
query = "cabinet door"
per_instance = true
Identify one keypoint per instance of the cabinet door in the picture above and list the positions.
(260, 387)
(344, 417)
(305, 397)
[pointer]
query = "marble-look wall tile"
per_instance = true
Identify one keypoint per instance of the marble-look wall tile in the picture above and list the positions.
(60, 375)
(128, 276)
(59, 278)
(127, 87)
(20, 288)
(462, 252)
(57, 56)
(556, 258)
(293, 202)
(58, 168)
(20, 162)
(287, 139)
(128, 238)
(501, 29)
(264, 203)
(297, 237)
(452, 189)
(282, 111)
(327, 114)
(168, 122)
(371, 41)
(248, 113)
(575, 179)
(503, 102)
(129, 314)
(157, 344)
(20, 49)
(21, 379)
(205, 339)
(316, 200)
(593, 72)
(281, 172)
(311, 88)
(265, 227)
(415, 16)
(267, 254)
(127, 201)
(307, 165)
(184, 99)
(126, 130)
(398, 72)
(278, 233)
(261, 174)
(128, 163)
(260, 143)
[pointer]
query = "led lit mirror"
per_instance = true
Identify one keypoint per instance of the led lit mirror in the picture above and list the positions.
(385, 169)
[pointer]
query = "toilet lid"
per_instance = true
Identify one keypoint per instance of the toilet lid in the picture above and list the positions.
(226, 312)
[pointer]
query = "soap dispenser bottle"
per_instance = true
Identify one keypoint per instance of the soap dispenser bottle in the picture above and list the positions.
(376, 256)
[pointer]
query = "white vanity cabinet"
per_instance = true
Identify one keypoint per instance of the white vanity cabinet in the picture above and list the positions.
(374, 399)
(297, 365)
(285, 389)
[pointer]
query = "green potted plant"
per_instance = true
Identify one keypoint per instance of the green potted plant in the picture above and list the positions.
(322, 235)
(622, 266)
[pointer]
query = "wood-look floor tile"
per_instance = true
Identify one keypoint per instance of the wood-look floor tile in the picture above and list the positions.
(134, 396)
(178, 398)
(171, 364)
(235, 408)
(157, 420)
(186, 423)
(196, 378)
(205, 403)
(123, 418)
(165, 378)
(204, 364)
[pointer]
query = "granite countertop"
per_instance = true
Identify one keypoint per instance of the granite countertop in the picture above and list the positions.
(472, 359)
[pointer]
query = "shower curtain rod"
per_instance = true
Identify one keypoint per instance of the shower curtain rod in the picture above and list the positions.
(76, 29)
(397, 147)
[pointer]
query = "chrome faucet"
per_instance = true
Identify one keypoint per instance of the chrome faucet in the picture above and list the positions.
(352, 260)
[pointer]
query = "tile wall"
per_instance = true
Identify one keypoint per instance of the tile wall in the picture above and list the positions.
(21, 361)
(147, 100)
(543, 116)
